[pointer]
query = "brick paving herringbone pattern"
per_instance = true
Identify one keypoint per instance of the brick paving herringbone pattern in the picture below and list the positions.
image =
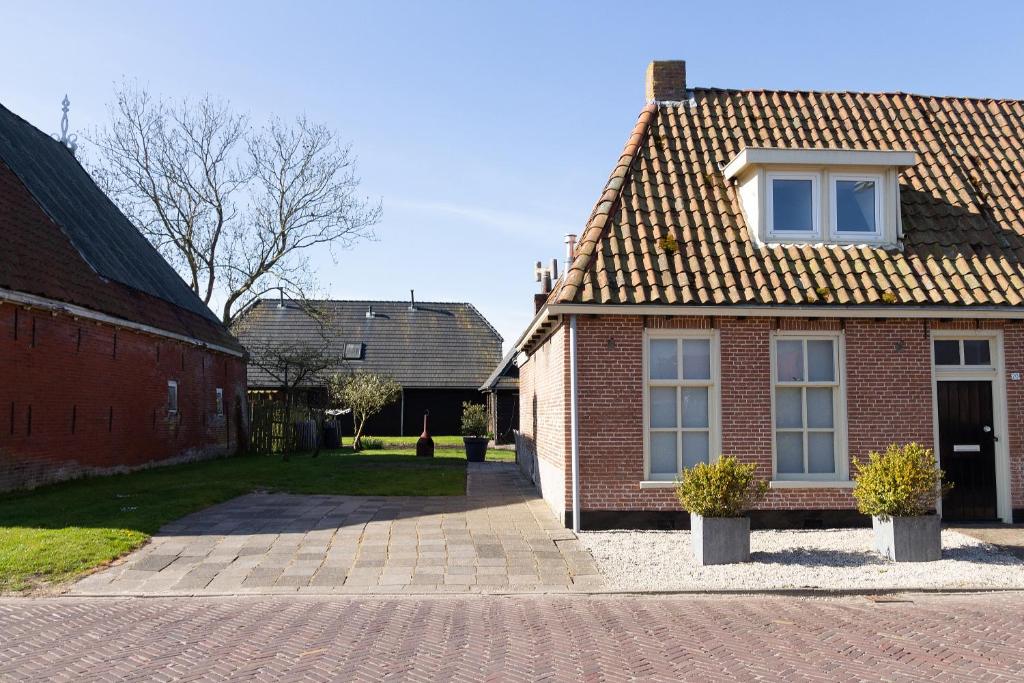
(488, 638)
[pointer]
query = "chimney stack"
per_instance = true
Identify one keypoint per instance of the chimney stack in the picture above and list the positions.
(666, 81)
(570, 249)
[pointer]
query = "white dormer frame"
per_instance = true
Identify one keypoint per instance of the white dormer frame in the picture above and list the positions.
(753, 168)
(769, 214)
(849, 236)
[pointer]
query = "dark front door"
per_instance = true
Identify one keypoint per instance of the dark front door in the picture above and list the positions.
(967, 450)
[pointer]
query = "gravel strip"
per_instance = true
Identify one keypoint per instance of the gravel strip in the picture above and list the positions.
(830, 559)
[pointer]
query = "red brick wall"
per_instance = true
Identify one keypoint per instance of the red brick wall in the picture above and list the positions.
(888, 391)
(87, 397)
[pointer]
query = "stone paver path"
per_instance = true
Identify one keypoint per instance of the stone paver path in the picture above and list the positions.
(499, 537)
(513, 638)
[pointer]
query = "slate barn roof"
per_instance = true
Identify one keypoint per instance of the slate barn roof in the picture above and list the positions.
(962, 205)
(63, 239)
(437, 345)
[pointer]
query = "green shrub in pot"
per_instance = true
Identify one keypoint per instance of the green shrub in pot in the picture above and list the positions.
(474, 431)
(899, 488)
(717, 496)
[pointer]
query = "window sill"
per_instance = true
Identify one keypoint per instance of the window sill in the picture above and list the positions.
(657, 484)
(809, 484)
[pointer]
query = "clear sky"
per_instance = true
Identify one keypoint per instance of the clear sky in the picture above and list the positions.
(487, 129)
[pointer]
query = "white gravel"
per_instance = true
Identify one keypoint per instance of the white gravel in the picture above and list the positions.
(830, 559)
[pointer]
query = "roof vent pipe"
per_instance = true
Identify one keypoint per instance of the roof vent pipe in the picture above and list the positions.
(570, 249)
(412, 299)
(554, 269)
(369, 311)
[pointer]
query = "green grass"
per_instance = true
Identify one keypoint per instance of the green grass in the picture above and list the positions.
(56, 532)
(447, 446)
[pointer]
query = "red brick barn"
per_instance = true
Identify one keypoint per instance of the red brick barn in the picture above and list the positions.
(108, 360)
(796, 279)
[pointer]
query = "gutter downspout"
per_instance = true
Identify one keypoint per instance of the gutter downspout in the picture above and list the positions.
(574, 425)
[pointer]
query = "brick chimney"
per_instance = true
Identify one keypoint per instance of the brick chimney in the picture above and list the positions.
(666, 81)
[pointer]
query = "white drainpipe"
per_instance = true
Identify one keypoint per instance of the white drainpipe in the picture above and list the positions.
(574, 426)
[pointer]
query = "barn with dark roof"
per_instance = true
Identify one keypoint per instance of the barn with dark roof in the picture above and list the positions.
(109, 360)
(440, 352)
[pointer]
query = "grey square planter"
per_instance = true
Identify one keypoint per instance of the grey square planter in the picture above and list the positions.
(909, 539)
(720, 540)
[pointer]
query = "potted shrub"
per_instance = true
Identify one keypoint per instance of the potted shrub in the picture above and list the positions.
(716, 496)
(898, 488)
(474, 431)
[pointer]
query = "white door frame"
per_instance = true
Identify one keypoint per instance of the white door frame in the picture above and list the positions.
(996, 374)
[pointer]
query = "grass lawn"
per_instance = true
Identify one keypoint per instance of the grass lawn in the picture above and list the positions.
(55, 532)
(442, 443)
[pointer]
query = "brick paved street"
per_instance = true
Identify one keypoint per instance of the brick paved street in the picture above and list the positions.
(477, 638)
(499, 537)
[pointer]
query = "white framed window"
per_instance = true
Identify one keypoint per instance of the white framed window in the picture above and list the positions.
(680, 401)
(808, 407)
(855, 205)
(793, 205)
(962, 352)
(172, 397)
(220, 401)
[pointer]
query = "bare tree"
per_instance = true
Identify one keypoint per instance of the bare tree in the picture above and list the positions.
(235, 207)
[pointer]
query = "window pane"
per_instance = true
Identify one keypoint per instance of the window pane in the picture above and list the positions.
(790, 360)
(792, 206)
(820, 365)
(663, 407)
(695, 448)
(947, 352)
(819, 407)
(663, 359)
(855, 205)
(663, 455)
(695, 407)
(976, 352)
(696, 359)
(821, 457)
(788, 409)
(789, 452)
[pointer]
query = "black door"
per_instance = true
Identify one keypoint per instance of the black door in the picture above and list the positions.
(967, 451)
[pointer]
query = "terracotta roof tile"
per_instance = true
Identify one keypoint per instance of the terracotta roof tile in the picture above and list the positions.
(961, 205)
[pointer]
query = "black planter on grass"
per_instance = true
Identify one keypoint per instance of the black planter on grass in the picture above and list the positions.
(476, 448)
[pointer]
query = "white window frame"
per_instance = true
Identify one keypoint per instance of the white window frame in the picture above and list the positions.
(172, 409)
(219, 398)
(807, 235)
(842, 473)
(714, 397)
(849, 236)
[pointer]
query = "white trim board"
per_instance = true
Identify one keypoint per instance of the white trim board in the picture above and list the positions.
(33, 301)
(771, 156)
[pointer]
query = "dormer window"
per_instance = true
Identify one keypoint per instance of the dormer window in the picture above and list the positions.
(857, 205)
(820, 196)
(793, 205)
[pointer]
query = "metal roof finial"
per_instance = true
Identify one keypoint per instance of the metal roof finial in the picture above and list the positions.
(69, 141)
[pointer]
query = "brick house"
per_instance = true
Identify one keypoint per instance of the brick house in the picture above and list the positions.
(108, 361)
(793, 278)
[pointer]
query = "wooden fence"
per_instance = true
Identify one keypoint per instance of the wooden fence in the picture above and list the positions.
(275, 430)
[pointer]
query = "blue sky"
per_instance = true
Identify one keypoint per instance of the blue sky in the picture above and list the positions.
(487, 129)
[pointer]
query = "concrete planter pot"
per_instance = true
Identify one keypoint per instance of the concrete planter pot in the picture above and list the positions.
(720, 540)
(909, 539)
(476, 448)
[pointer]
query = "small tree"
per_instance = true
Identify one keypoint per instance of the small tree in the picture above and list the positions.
(366, 393)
